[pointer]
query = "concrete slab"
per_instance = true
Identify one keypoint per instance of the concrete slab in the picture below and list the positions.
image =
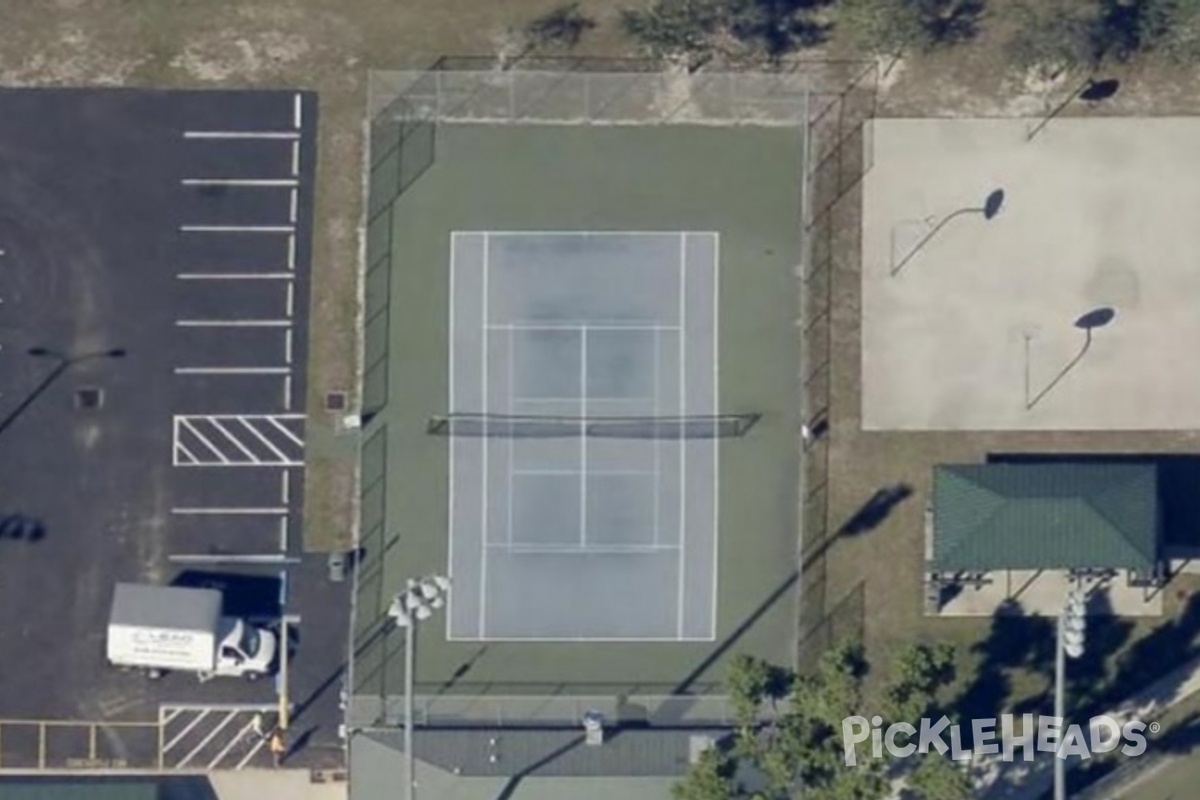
(1043, 593)
(976, 331)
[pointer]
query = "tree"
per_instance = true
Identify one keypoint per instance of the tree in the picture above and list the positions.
(937, 777)
(917, 672)
(801, 746)
(560, 27)
(675, 30)
(694, 32)
(889, 28)
(709, 779)
(1055, 36)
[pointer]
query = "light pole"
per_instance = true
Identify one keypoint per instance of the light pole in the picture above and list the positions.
(990, 208)
(415, 604)
(1072, 623)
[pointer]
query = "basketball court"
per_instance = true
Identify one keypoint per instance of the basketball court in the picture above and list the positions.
(580, 507)
(1070, 309)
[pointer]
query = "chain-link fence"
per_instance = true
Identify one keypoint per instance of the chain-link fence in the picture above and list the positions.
(452, 710)
(837, 157)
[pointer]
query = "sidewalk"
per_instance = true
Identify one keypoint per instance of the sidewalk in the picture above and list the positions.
(271, 784)
(1019, 780)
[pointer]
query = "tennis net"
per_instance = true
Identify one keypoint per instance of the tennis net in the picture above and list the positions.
(520, 426)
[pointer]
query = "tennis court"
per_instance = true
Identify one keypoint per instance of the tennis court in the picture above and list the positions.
(563, 426)
(557, 530)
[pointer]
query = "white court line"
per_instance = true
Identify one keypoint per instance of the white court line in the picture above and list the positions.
(576, 399)
(255, 182)
(682, 441)
(575, 472)
(233, 370)
(287, 393)
(241, 135)
(296, 157)
(656, 486)
(583, 453)
(672, 233)
(451, 407)
(578, 326)
(204, 742)
(188, 729)
(283, 429)
(291, 253)
(287, 346)
(716, 442)
(204, 440)
(233, 323)
(290, 303)
(484, 459)
(282, 456)
(292, 202)
(574, 549)
(297, 111)
(285, 487)
(237, 228)
(225, 431)
(265, 511)
(512, 457)
(236, 276)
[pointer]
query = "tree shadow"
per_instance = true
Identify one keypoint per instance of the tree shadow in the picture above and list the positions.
(1155, 654)
(1105, 636)
(561, 27)
(876, 509)
(20, 528)
(780, 27)
(1015, 641)
(951, 22)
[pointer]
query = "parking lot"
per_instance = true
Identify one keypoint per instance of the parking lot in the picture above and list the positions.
(153, 340)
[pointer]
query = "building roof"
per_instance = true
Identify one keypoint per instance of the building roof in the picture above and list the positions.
(1062, 515)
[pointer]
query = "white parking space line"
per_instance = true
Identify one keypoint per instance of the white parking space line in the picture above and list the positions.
(187, 729)
(179, 448)
(241, 134)
(233, 323)
(285, 487)
(297, 111)
(296, 157)
(291, 253)
(175, 712)
(237, 228)
(287, 346)
(236, 276)
(204, 742)
(257, 182)
(283, 429)
(265, 511)
(243, 734)
(253, 752)
(287, 393)
(282, 456)
(232, 370)
(283, 534)
(204, 440)
(291, 301)
(216, 423)
(292, 203)
(228, 558)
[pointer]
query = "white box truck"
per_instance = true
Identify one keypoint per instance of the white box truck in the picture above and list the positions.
(158, 629)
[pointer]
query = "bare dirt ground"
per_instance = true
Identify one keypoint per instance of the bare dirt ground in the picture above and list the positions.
(329, 46)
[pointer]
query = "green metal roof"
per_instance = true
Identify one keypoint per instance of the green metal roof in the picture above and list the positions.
(1064, 515)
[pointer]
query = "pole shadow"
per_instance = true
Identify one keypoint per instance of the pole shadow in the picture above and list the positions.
(990, 208)
(1096, 318)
